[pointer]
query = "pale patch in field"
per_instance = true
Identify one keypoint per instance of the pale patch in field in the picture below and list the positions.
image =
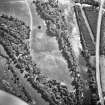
(39, 35)
(76, 45)
(54, 58)
(64, 1)
(66, 12)
(75, 41)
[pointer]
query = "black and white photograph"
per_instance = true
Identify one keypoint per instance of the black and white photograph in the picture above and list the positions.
(52, 52)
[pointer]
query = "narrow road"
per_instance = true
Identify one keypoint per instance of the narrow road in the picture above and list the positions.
(98, 78)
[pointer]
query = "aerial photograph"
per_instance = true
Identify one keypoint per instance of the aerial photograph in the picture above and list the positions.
(52, 52)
